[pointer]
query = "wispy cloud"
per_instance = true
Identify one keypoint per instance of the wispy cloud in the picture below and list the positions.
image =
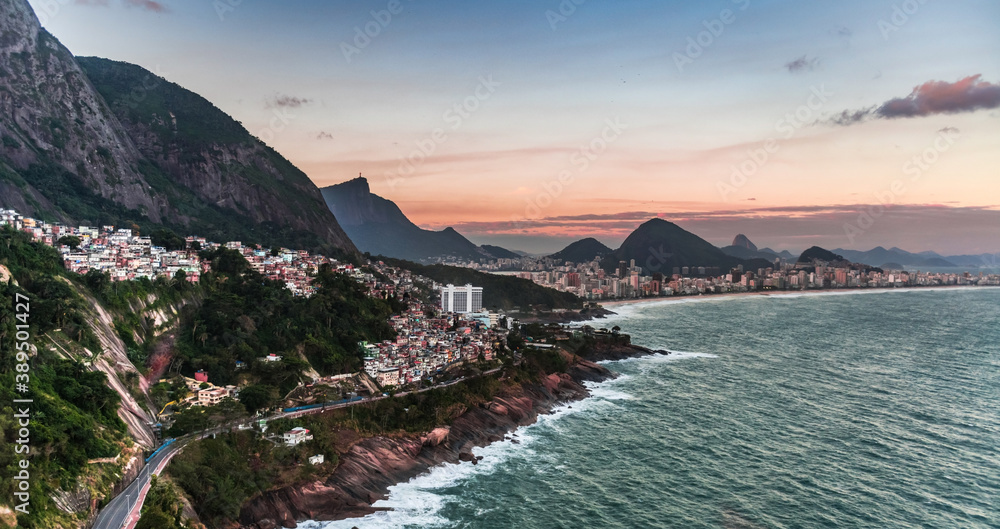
(287, 101)
(933, 97)
(802, 64)
(843, 31)
(150, 5)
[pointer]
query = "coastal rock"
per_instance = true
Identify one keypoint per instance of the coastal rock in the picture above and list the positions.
(604, 351)
(373, 465)
(437, 436)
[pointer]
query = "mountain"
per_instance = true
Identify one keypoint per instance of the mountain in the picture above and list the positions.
(985, 260)
(500, 253)
(784, 254)
(816, 253)
(94, 141)
(379, 227)
(660, 246)
(582, 251)
(743, 242)
(878, 256)
(744, 249)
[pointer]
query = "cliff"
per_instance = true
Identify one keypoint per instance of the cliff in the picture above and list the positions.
(379, 227)
(374, 464)
(94, 141)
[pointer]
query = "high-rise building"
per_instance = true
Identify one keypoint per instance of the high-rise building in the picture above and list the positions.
(461, 299)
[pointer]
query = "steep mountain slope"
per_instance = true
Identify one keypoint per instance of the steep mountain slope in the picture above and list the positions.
(659, 246)
(102, 142)
(582, 251)
(378, 226)
(96, 416)
(54, 124)
(209, 166)
(500, 253)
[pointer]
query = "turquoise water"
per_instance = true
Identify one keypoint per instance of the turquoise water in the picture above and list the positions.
(873, 410)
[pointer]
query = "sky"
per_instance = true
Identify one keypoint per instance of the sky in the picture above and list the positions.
(529, 124)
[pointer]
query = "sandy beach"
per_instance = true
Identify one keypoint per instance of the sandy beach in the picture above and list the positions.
(610, 305)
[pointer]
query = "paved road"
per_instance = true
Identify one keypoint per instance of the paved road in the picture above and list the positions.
(123, 511)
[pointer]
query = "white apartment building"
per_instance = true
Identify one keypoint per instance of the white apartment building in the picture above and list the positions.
(461, 299)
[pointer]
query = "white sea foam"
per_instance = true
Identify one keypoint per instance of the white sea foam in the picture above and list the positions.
(659, 358)
(418, 502)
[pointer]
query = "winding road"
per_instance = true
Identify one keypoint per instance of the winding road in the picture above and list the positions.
(123, 511)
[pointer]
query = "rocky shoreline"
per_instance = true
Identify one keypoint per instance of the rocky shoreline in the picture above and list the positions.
(374, 464)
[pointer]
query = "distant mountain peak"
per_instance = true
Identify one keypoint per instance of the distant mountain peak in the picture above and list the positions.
(744, 242)
(582, 251)
(376, 225)
(357, 185)
(816, 253)
(660, 246)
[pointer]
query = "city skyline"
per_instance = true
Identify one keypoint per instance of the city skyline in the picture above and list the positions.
(584, 119)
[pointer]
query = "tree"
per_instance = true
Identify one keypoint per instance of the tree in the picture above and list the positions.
(168, 239)
(258, 397)
(227, 410)
(189, 420)
(70, 240)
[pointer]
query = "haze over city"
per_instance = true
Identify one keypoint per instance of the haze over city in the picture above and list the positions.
(531, 124)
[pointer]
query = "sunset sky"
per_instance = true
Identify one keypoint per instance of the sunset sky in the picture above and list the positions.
(529, 124)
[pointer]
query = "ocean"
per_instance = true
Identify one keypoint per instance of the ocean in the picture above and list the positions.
(876, 409)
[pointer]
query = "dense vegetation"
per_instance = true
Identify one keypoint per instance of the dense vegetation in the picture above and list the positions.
(245, 317)
(162, 508)
(499, 292)
(222, 473)
(412, 413)
(74, 413)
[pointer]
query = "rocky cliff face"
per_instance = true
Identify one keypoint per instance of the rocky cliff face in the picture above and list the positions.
(374, 464)
(104, 142)
(204, 159)
(51, 116)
